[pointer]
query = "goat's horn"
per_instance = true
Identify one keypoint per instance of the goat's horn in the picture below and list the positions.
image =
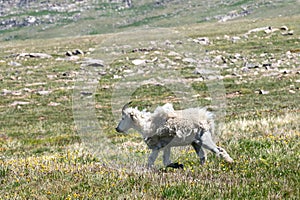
(126, 105)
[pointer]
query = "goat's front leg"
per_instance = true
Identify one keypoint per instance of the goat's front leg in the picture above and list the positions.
(152, 158)
(208, 143)
(166, 156)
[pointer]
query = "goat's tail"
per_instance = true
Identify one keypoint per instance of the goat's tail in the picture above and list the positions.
(213, 128)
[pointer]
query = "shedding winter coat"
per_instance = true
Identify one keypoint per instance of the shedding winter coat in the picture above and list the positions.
(166, 128)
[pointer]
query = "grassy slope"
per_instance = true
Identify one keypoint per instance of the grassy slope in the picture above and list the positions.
(99, 17)
(41, 156)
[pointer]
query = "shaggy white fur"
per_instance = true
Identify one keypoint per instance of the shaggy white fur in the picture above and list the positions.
(166, 128)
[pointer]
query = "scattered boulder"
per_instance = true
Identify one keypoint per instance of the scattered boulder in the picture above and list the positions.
(92, 62)
(266, 28)
(202, 40)
(284, 28)
(271, 30)
(35, 55)
(75, 52)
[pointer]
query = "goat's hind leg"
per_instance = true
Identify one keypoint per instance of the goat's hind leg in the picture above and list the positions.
(166, 156)
(200, 152)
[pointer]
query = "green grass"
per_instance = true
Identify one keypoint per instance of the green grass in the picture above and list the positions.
(43, 157)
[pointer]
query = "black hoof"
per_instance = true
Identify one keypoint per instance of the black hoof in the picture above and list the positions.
(202, 161)
(175, 166)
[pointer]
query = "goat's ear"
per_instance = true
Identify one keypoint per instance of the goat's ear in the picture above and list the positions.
(133, 116)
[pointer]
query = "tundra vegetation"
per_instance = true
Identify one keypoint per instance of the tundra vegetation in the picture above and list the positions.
(43, 157)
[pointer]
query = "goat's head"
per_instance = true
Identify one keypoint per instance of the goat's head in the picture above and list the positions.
(128, 119)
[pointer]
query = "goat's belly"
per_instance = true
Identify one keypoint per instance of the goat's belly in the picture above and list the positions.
(182, 141)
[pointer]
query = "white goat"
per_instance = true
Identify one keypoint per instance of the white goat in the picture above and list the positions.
(166, 128)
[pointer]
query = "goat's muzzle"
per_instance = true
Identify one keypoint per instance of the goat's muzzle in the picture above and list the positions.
(119, 130)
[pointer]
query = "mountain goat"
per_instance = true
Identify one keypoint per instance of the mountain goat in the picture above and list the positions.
(166, 128)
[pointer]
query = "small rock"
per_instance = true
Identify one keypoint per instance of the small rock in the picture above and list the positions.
(77, 52)
(51, 76)
(285, 71)
(263, 92)
(245, 69)
(44, 92)
(226, 37)
(251, 65)
(173, 53)
(234, 39)
(84, 93)
(219, 59)
(6, 92)
(35, 84)
(31, 19)
(53, 104)
(267, 65)
(138, 62)
(291, 32)
(189, 60)
(154, 59)
(15, 64)
(167, 42)
(27, 90)
(73, 58)
(237, 56)
(117, 77)
(69, 53)
(16, 93)
(17, 103)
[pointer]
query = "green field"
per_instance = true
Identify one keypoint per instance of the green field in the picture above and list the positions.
(49, 146)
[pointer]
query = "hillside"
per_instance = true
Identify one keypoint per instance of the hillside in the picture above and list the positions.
(67, 68)
(25, 19)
